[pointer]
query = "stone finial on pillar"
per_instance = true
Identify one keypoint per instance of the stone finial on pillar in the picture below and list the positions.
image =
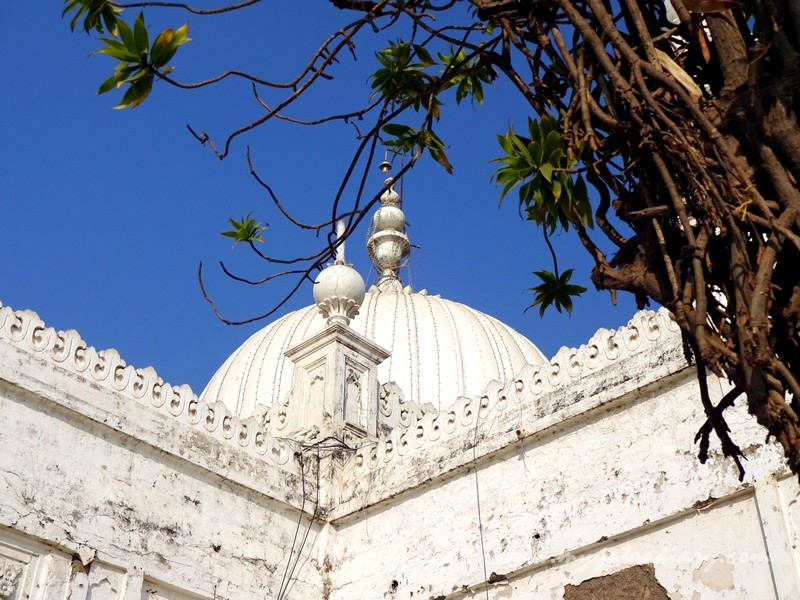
(335, 386)
(339, 290)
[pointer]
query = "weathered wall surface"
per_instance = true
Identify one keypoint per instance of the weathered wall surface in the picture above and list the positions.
(104, 497)
(424, 446)
(578, 479)
(616, 487)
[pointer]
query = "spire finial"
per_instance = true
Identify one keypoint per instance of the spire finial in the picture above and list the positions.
(340, 229)
(388, 245)
(385, 166)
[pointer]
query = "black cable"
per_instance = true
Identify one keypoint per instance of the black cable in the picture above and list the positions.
(281, 590)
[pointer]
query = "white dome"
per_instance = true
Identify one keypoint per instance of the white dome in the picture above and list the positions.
(440, 350)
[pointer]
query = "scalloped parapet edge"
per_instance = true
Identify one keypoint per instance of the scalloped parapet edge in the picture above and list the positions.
(66, 349)
(416, 426)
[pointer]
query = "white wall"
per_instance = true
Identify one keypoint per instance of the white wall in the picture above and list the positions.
(103, 496)
(114, 485)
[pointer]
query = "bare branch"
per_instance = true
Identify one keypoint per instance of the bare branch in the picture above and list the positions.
(186, 7)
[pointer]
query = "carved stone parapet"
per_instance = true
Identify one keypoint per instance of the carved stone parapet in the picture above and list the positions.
(409, 426)
(396, 411)
(65, 349)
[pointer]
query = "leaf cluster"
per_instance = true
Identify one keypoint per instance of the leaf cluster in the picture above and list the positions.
(247, 230)
(548, 194)
(543, 170)
(139, 62)
(98, 15)
(407, 139)
(403, 81)
(467, 75)
(555, 291)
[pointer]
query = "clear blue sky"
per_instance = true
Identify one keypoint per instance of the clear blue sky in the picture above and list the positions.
(106, 214)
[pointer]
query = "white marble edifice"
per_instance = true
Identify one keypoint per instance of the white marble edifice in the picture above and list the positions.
(418, 450)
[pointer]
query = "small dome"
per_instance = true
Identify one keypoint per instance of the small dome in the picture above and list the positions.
(440, 350)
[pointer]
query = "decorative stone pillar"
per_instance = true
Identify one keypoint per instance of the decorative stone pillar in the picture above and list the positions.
(335, 385)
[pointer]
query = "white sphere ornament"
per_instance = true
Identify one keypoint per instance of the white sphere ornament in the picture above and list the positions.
(390, 217)
(339, 291)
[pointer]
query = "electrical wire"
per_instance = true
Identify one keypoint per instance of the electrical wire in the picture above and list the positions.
(281, 589)
(308, 530)
(478, 498)
(323, 444)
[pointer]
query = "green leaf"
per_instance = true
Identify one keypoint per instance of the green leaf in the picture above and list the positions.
(477, 90)
(119, 54)
(440, 157)
(431, 140)
(111, 83)
(557, 189)
(246, 230)
(546, 170)
(137, 92)
(406, 137)
(397, 130)
(505, 143)
(181, 36)
(160, 52)
(138, 74)
(113, 43)
(555, 156)
(523, 148)
(555, 291)
(126, 36)
(166, 45)
(462, 90)
(140, 35)
(110, 19)
(580, 196)
(551, 143)
(535, 130)
(424, 56)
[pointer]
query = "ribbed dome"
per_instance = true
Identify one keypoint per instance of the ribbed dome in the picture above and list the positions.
(440, 350)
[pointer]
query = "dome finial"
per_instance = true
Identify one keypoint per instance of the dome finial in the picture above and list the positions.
(388, 245)
(340, 231)
(339, 289)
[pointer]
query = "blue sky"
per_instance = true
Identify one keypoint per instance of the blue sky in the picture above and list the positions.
(106, 214)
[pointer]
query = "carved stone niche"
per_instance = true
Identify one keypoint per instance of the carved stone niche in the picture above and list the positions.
(634, 583)
(335, 386)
